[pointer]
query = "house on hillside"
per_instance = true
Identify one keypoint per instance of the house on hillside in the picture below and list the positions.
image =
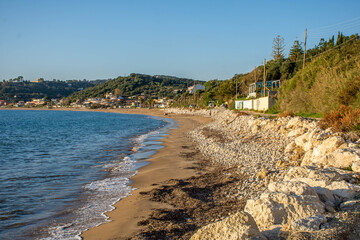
(195, 87)
(109, 96)
(258, 88)
(258, 99)
(3, 103)
(20, 104)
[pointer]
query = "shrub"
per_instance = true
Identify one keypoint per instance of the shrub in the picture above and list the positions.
(286, 113)
(95, 106)
(344, 119)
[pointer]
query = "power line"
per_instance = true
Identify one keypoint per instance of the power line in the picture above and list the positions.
(336, 24)
(349, 28)
(308, 58)
(352, 25)
(337, 28)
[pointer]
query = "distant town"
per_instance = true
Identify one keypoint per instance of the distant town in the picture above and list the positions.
(109, 101)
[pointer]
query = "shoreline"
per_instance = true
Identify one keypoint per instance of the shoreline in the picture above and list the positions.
(235, 166)
(136, 207)
(132, 209)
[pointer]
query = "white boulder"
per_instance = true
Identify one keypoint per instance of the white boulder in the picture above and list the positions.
(344, 189)
(356, 166)
(235, 227)
(281, 204)
(296, 132)
(311, 223)
(342, 158)
(326, 175)
(329, 145)
(293, 188)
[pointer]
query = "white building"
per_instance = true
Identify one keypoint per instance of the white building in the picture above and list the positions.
(258, 104)
(195, 87)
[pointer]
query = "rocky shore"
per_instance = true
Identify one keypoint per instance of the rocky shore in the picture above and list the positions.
(283, 178)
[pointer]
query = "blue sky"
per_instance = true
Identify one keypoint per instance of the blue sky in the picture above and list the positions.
(197, 39)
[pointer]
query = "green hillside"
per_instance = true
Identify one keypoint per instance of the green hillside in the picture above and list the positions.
(15, 91)
(331, 79)
(138, 84)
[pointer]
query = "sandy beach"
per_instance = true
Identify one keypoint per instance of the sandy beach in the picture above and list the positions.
(166, 164)
(213, 171)
(175, 161)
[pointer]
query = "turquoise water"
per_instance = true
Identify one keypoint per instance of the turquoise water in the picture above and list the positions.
(61, 171)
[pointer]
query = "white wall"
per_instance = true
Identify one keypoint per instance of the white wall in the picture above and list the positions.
(248, 104)
(239, 104)
(259, 104)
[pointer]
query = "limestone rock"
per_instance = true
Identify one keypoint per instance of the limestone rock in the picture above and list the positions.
(342, 158)
(296, 132)
(327, 153)
(343, 189)
(327, 182)
(293, 188)
(302, 140)
(307, 160)
(284, 207)
(238, 226)
(311, 223)
(356, 166)
(350, 205)
(290, 147)
(329, 145)
(314, 183)
(294, 122)
(325, 194)
(330, 206)
(272, 232)
(326, 175)
(308, 140)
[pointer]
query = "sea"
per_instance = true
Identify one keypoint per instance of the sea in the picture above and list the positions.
(61, 171)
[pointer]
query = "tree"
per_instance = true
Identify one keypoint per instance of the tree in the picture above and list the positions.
(117, 92)
(331, 43)
(287, 68)
(340, 39)
(273, 70)
(19, 79)
(278, 48)
(296, 51)
(47, 98)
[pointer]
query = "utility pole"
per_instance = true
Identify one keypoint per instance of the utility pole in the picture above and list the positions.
(236, 89)
(304, 48)
(194, 90)
(255, 74)
(264, 78)
(253, 89)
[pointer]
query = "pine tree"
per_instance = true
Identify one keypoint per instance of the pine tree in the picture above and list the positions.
(296, 51)
(278, 48)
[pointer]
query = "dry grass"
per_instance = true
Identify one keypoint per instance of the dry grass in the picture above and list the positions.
(286, 113)
(345, 119)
